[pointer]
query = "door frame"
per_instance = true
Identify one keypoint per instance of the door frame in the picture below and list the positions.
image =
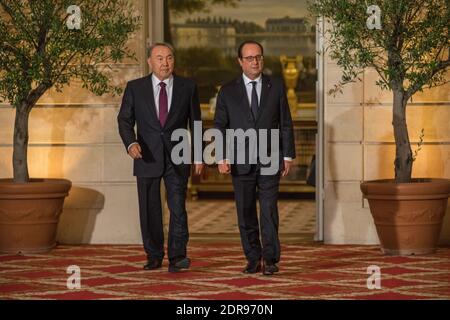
(320, 136)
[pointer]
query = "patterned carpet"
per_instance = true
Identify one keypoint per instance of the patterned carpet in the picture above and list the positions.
(307, 271)
(219, 216)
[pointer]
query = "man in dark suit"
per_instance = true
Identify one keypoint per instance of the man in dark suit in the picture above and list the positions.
(255, 101)
(159, 104)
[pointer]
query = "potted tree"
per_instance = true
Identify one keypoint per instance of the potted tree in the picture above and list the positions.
(45, 44)
(407, 43)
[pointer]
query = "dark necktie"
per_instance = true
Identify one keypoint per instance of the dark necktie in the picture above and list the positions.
(254, 101)
(163, 104)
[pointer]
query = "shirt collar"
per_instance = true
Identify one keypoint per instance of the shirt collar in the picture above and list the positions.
(156, 81)
(247, 80)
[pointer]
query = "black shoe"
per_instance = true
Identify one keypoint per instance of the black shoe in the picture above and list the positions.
(252, 267)
(269, 269)
(153, 264)
(178, 265)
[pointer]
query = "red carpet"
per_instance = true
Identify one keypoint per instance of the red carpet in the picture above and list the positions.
(307, 271)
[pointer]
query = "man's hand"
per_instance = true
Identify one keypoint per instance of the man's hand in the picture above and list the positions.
(198, 168)
(224, 167)
(287, 167)
(135, 151)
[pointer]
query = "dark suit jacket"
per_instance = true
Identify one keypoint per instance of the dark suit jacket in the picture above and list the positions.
(138, 107)
(233, 112)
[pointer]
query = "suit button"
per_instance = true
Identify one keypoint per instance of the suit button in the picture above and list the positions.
(162, 133)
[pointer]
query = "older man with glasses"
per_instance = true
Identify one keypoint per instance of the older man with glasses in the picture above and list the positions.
(256, 101)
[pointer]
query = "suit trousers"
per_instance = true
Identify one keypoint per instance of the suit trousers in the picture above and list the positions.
(245, 191)
(150, 213)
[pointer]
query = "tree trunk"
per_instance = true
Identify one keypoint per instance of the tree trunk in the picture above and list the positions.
(20, 158)
(403, 154)
(20, 146)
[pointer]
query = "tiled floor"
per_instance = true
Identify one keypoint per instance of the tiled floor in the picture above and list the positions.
(219, 216)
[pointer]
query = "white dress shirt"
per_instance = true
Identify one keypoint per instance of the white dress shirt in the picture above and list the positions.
(249, 88)
(157, 89)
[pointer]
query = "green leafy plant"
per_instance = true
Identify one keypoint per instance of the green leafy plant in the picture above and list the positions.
(410, 53)
(40, 49)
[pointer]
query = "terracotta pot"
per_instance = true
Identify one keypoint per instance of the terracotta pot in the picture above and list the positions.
(29, 214)
(408, 216)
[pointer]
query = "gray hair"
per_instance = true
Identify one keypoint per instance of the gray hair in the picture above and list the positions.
(157, 44)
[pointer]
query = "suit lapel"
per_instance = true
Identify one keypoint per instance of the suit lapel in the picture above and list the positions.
(265, 90)
(242, 98)
(150, 98)
(177, 90)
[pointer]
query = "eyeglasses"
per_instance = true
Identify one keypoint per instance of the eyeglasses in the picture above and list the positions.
(251, 58)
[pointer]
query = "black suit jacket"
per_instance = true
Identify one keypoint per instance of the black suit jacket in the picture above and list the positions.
(138, 107)
(233, 112)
